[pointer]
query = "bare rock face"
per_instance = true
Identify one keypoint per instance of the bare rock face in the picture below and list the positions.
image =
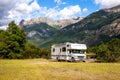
(66, 22)
(31, 34)
(21, 24)
(61, 23)
(112, 29)
(114, 9)
(39, 20)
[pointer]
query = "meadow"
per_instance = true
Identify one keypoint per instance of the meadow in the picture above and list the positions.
(41, 69)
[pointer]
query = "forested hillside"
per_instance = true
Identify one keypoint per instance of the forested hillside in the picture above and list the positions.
(98, 27)
(39, 32)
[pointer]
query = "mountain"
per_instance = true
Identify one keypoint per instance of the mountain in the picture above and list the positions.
(28, 23)
(61, 23)
(98, 27)
(39, 32)
(65, 22)
(40, 29)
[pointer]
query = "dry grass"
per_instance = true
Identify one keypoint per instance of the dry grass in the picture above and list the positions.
(40, 69)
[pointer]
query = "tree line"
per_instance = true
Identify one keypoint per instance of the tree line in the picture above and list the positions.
(14, 45)
(107, 52)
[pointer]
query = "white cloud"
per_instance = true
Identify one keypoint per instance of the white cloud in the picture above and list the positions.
(16, 9)
(65, 13)
(107, 3)
(52, 13)
(59, 2)
(23, 9)
(85, 10)
(69, 12)
(35, 5)
(3, 27)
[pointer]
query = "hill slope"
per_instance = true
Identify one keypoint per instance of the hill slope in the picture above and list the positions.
(40, 29)
(39, 32)
(98, 27)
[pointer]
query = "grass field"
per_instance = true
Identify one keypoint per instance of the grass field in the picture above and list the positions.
(40, 69)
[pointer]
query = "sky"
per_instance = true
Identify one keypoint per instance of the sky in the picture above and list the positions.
(55, 9)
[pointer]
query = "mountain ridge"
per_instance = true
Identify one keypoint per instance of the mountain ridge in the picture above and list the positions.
(98, 27)
(51, 22)
(39, 29)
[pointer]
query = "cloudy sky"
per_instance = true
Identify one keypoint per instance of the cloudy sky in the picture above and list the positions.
(56, 9)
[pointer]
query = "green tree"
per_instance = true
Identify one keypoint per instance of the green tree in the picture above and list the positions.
(30, 51)
(3, 44)
(16, 40)
(108, 52)
(102, 52)
(114, 48)
(13, 44)
(43, 53)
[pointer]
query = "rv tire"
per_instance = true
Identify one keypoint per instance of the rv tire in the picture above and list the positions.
(58, 59)
(84, 61)
(72, 59)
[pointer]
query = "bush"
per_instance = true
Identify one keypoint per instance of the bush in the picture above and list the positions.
(108, 52)
(43, 53)
(31, 51)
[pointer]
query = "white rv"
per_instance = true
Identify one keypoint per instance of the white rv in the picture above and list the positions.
(69, 52)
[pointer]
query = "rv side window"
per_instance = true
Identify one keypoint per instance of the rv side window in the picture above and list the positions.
(63, 49)
(53, 49)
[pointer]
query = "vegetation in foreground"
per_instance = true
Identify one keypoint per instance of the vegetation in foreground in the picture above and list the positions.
(14, 45)
(41, 69)
(107, 52)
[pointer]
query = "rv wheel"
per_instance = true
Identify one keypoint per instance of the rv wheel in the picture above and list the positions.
(72, 59)
(57, 59)
(84, 61)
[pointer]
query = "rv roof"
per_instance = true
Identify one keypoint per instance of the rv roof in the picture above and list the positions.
(72, 45)
(79, 46)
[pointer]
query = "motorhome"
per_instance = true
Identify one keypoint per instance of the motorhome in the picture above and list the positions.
(69, 52)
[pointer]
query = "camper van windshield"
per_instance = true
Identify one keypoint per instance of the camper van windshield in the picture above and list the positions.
(77, 51)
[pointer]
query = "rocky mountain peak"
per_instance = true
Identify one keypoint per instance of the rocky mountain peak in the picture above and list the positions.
(50, 22)
(39, 20)
(114, 9)
(100, 26)
(66, 22)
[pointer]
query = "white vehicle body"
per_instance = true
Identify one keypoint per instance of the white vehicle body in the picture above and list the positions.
(69, 52)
